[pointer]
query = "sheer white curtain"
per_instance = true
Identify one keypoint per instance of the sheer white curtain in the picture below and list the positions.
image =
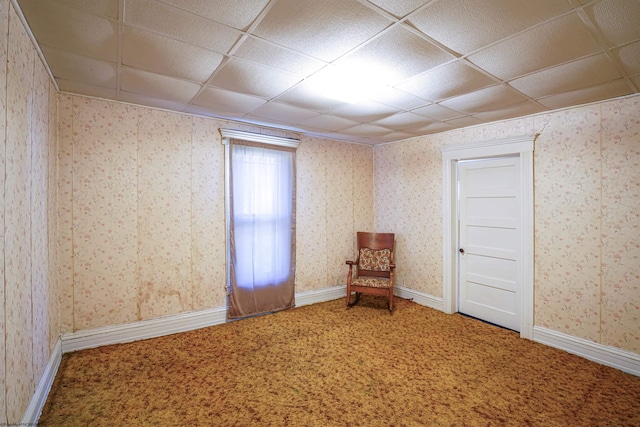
(261, 228)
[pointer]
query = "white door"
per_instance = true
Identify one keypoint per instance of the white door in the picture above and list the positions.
(490, 236)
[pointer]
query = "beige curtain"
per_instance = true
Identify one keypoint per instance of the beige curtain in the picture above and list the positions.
(262, 200)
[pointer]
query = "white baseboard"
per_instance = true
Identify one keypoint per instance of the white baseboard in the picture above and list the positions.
(419, 298)
(625, 361)
(144, 329)
(39, 398)
(321, 295)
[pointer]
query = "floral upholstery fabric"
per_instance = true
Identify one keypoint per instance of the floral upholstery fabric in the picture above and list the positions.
(374, 260)
(371, 282)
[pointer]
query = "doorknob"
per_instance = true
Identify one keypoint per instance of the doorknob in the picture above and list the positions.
(462, 251)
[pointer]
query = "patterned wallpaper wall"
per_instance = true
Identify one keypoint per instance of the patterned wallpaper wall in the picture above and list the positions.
(141, 214)
(587, 220)
(30, 324)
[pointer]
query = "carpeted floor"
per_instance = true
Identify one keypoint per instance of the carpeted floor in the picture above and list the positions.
(322, 365)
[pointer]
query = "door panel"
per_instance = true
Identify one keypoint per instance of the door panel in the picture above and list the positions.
(490, 240)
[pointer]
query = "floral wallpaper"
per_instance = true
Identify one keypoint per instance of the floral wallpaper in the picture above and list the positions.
(28, 308)
(141, 215)
(586, 191)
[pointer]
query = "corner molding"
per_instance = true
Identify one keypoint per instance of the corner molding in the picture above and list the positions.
(625, 361)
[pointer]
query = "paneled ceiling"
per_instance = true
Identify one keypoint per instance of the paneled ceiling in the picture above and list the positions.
(428, 65)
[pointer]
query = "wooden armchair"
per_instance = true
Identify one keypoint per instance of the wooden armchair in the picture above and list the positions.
(372, 271)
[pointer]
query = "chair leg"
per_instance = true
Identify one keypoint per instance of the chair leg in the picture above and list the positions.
(391, 303)
(351, 304)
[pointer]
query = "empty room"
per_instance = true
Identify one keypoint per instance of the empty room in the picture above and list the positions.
(328, 212)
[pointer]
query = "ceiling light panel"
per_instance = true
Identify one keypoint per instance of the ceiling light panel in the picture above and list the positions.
(446, 81)
(574, 75)
(484, 22)
(558, 41)
(69, 66)
(323, 29)
(618, 20)
(365, 111)
(178, 24)
(153, 52)
(395, 56)
(252, 78)
(69, 29)
(238, 14)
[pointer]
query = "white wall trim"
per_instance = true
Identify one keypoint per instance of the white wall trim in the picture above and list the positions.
(419, 297)
(39, 398)
(523, 147)
(182, 322)
(321, 295)
(625, 361)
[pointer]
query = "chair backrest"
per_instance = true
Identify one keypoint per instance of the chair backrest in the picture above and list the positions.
(375, 253)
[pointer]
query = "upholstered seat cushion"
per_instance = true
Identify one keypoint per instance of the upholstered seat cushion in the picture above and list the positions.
(374, 260)
(371, 282)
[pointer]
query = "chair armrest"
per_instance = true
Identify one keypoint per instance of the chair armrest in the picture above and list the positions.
(351, 263)
(392, 266)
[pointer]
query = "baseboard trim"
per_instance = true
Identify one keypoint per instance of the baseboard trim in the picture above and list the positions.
(625, 361)
(182, 322)
(31, 415)
(420, 298)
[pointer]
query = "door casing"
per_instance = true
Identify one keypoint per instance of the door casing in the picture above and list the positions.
(522, 147)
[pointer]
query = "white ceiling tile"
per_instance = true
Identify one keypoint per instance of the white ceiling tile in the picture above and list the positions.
(282, 112)
(559, 41)
(484, 99)
(636, 82)
(434, 127)
(252, 78)
(397, 98)
(305, 95)
(396, 136)
(153, 52)
(437, 112)
(365, 111)
(227, 103)
(515, 110)
(368, 130)
(404, 121)
(107, 8)
(483, 22)
(176, 23)
(66, 28)
(325, 122)
(69, 66)
(465, 121)
(583, 96)
(629, 56)
(157, 86)
(618, 20)
(446, 81)
(149, 101)
(574, 75)
(345, 25)
(399, 8)
(238, 14)
(80, 88)
(395, 56)
(275, 56)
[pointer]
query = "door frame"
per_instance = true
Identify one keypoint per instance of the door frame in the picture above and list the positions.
(522, 147)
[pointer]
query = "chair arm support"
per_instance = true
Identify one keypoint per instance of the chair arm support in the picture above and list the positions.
(392, 266)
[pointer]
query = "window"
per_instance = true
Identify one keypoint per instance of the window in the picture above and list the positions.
(260, 195)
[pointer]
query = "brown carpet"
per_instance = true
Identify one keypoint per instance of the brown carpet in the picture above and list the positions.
(322, 365)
